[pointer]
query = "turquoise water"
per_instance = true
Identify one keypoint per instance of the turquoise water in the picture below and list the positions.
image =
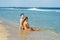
(44, 19)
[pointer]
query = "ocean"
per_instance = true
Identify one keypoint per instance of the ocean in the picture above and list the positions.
(48, 18)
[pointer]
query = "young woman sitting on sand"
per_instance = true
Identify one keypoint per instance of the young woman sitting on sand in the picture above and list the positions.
(27, 27)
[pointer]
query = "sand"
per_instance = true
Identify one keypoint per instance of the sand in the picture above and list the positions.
(3, 32)
(10, 31)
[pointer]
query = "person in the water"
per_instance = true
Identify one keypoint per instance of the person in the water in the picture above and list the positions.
(21, 20)
(27, 27)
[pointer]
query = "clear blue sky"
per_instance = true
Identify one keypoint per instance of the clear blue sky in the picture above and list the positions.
(29, 3)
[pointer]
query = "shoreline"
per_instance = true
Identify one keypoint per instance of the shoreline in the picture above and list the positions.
(13, 30)
(10, 23)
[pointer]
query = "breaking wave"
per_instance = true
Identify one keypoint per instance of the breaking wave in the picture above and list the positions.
(33, 9)
(45, 10)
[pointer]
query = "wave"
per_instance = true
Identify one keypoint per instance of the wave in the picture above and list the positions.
(9, 9)
(45, 10)
(33, 9)
(13, 9)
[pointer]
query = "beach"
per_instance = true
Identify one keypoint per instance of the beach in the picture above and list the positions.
(3, 32)
(10, 31)
(48, 22)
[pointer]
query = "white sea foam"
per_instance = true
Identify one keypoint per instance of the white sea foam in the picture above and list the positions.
(12, 9)
(34, 9)
(9, 8)
(45, 10)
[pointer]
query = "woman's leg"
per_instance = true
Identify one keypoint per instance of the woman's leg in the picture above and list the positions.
(35, 29)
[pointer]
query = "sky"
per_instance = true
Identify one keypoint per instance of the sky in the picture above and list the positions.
(29, 3)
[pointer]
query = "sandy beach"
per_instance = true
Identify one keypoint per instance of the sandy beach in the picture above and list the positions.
(10, 31)
(3, 32)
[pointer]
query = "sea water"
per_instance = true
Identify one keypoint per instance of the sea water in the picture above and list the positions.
(43, 18)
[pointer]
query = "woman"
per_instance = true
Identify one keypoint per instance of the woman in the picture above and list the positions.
(26, 25)
(21, 20)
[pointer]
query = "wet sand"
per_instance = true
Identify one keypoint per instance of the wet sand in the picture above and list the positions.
(10, 31)
(3, 32)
